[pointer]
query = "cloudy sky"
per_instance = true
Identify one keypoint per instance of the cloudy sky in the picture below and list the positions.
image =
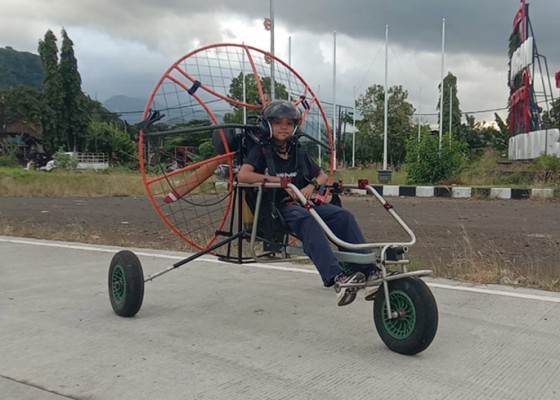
(124, 46)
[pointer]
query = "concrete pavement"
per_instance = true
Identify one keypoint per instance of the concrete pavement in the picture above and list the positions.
(221, 331)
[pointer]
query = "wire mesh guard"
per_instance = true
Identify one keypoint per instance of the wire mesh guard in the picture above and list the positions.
(188, 184)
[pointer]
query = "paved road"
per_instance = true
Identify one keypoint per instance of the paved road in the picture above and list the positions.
(218, 331)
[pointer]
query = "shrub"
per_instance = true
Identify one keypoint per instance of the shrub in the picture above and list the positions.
(427, 164)
(8, 155)
(547, 163)
(206, 150)
(65, 160)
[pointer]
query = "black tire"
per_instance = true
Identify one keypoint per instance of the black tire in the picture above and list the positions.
(415, 327)
(126, 284)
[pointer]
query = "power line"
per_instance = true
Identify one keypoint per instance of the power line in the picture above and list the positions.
(466, 112)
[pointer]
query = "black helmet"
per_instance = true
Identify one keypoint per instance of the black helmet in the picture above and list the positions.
(281, 109)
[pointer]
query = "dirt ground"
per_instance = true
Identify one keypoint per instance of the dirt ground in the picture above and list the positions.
(518, 234)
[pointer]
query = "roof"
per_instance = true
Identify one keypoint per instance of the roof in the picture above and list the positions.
(20, 127)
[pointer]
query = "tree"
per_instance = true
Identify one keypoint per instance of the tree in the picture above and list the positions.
(110, 138)
(371, 127)
(206, 150)
(551, 118)
(251, 95)
(479, 136)
(76, 117)
(65, 116)
(53, 94)
(22, 103)
(450, 88)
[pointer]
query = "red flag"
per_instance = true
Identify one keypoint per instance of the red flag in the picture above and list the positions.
(558, 79)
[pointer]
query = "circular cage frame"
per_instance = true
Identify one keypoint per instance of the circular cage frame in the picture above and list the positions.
(187, 78)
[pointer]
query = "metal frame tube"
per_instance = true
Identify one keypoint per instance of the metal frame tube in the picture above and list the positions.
(335, 239)
(339, 242)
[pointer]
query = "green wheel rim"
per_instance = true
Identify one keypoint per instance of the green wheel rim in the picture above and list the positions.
(402, 326)
(118, 284)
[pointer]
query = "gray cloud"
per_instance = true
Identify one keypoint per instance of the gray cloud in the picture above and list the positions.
(124, 46)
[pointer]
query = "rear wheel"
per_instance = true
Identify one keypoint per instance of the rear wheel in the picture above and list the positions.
(126, 283)
(415, 314)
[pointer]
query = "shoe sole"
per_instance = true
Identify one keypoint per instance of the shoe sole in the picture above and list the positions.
(370, 293)
(348, 295)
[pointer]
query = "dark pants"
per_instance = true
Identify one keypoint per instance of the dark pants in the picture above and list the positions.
(315, 242)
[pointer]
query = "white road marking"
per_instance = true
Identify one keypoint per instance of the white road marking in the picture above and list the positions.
(37, 242)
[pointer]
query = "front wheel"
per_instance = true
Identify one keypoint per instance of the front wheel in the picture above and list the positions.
(415, 314)
(126, 284)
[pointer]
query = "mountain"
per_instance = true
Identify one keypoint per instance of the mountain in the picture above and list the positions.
(128, 108)
(20, 68)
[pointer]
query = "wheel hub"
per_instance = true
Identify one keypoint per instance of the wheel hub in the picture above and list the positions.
(400, 324)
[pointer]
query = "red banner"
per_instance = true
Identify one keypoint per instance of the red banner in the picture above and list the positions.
(520, 19)
(558, 79)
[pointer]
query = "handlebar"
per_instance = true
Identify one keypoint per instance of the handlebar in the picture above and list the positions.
(330, 234)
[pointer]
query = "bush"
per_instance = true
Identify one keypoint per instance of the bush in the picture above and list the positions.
(427, 164)
(547, 163)
(8, 155)
(65, 160)
(546, 169)
(206, 150)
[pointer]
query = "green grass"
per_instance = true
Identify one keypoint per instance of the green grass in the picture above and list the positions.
(479, 265)
(486, 171)
(351, 175)
(489, 170)
(22, 183)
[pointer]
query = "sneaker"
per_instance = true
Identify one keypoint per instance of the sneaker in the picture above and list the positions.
(348, 294)
(371, 291)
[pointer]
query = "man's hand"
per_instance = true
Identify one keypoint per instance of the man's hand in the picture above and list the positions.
(308, 191)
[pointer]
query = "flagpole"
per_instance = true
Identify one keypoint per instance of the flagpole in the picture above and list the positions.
(334, 98)
(244, 86)
(290, 51)
(354, 130)
(419, 125)
(385, 106)
(450, 111)
(272, 83)
(441, 85)
(319, 130)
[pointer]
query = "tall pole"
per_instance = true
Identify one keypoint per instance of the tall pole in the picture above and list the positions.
(272, 83)
(441, 85)
(385, 106)
(2, 115)
(419, 112)
(244, 88)
(289, 50)
(419, 127)
(354, 130)
(319, 130)
(289, 58)
(334, 97)
(450, 111)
